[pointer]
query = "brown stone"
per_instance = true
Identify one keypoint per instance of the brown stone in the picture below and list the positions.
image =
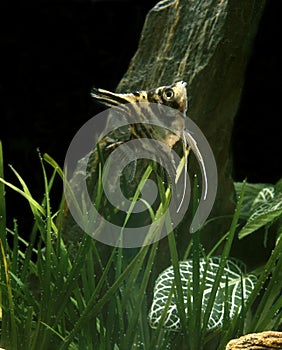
(257, 341)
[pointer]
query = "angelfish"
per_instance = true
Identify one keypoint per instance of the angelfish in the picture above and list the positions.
(143, 105)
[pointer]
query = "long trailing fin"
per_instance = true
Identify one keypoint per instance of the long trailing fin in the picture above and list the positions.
(185, 174)
(194, 147)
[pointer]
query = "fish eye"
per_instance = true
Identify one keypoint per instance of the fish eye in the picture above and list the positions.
(168, 94)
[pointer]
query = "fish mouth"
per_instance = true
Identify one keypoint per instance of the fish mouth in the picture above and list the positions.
(182, 82)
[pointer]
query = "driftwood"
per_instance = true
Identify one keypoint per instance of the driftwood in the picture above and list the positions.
(257, 341)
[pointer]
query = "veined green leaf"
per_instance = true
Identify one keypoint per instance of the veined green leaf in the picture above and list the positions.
(251, 192)
(266, 207)
(238, 283)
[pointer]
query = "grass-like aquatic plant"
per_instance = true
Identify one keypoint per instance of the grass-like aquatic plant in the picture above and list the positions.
(51, 297)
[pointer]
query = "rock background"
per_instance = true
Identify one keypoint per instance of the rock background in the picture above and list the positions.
(207, 44)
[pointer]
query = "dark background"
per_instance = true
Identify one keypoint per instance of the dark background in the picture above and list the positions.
(52, 53)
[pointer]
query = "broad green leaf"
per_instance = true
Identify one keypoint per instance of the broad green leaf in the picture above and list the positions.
(250, 194)
(266, 208)
(238, 284)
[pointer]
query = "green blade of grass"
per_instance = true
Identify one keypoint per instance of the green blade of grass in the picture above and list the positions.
(127, 340)
(31, 201)
(268, 268)
(224, 257)
(36, 208)
(64, 294)
(3, 238)
(156, 335)
(10, 304)
(271, 293)
(137, 193)
(178, 283)
(197, 292)
(272, 315)
(93, 307)
(46, 301)
(133, 276)
(54, 164)
(67, 187)
(15, 256)
(27, 329)
(22, 291)
(250, 324)
(2, 201)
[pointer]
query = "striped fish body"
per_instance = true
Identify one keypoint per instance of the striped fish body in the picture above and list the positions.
(148, 118)
(142, 107)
